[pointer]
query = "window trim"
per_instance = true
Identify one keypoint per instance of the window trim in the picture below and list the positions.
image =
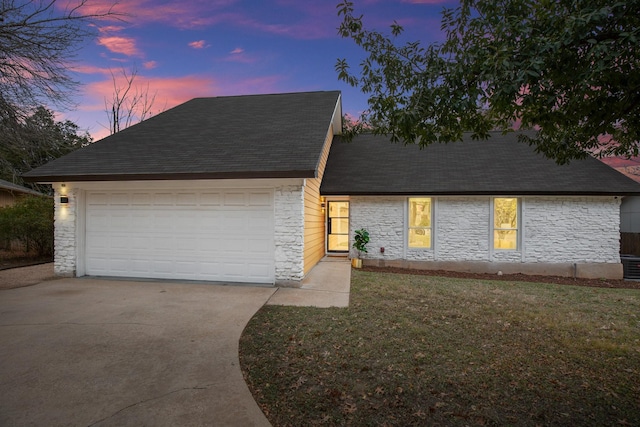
(518, 228)
(407, 227)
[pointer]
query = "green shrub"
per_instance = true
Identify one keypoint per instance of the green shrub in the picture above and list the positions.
(29, 221)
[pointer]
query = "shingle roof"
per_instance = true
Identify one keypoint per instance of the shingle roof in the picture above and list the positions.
(10, 186)
(254, 136)
(501, 165)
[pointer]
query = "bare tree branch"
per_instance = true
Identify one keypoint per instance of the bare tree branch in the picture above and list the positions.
(38, 42)
(129, 104)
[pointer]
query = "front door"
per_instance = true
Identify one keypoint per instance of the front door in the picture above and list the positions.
(338, 227)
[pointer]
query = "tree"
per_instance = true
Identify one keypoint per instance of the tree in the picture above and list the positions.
(129, 104)
(30, 222)
(568, 68)
(26, 143)
(37, 43)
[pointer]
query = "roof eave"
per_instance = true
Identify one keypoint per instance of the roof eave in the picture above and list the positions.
(481, 193)
(172, 176)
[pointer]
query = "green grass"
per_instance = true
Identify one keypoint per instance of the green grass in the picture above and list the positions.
(416, 350)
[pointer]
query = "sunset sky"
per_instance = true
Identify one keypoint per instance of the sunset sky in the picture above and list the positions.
(195, 48)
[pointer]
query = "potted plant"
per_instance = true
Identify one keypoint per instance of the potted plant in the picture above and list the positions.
(360, 244)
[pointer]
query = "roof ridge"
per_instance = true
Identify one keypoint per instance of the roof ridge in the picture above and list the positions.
(266, 94)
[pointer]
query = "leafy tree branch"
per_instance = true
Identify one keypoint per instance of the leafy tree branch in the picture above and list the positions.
(569, 69)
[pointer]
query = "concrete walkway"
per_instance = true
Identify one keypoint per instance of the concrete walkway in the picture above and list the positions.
(96, 352)
(327, 285)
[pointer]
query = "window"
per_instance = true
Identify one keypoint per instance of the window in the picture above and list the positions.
(420, 222)
(505, 223)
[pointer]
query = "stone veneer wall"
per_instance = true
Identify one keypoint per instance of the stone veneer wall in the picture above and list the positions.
(584, 229)
(65, 246)
(289, 230)
(554, 230)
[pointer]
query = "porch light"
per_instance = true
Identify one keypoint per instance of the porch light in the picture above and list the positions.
(64, 200)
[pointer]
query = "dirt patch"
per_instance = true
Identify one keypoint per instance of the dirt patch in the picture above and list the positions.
(15, 259)
(594, 283)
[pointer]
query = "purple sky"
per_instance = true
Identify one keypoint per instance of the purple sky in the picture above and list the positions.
(194, 48)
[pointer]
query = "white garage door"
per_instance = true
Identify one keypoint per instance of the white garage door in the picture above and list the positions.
(222, 235)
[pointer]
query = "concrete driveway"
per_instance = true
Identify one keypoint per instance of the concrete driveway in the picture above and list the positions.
(88, 352)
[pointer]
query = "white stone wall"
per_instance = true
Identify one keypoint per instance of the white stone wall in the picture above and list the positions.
(289, 233)
(462, 228)
(578, 229)
(553, 230)
(382, 217)
(65, 246)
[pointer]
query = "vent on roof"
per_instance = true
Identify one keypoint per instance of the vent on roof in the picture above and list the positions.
(630, 266)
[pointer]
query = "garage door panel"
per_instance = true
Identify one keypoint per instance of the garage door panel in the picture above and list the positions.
(97, 199)
(260, 199)
(235, 198)
(234, 269)
(141, 267)
(120, 199)
(259, 247)
(259, 270)
(210, 199)
(163, 221)
(209, 235)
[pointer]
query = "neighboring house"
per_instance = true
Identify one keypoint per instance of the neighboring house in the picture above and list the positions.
(235, 189)
(10, 192)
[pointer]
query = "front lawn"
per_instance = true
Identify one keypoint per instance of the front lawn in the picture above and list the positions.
(421, 350)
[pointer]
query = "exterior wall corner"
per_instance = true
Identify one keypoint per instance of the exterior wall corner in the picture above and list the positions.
(65, 239)
(289, 233)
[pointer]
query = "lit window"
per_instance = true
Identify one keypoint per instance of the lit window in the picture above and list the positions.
(420, 222)
(505, 223)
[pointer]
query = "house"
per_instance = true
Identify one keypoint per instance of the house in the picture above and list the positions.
(259, 188)
(480, 206)
(10, 192)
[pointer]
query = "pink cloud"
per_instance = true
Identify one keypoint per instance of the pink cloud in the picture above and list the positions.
(170, 91)
(306, 29)
(239, 56)
(89, 69)
(110, 29)
(197, 44)
(149, 65)
(123, 45)
(201, 13)
(310, 22)
(177, 13)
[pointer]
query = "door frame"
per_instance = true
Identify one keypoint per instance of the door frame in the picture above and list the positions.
(327, 228)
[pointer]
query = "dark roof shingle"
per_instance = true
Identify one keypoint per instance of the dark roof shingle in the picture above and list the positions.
(253, 136)
(501, 165)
